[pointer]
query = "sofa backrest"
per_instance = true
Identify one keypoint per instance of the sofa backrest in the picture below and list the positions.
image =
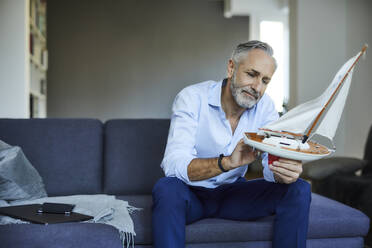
(368, 153)
(133, 151)
(368, 146)
(66, 152)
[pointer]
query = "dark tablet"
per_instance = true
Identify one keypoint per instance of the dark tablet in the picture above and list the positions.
(30, 213)
(56, 208)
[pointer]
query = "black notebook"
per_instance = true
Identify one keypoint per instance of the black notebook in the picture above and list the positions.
(31, 213)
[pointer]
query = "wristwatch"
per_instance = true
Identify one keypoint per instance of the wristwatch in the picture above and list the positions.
(220, 164)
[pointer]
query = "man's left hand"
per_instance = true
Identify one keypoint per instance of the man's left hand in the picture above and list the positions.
(286, 170)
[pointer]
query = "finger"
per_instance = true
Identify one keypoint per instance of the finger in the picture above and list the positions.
(241, 142)
(247, 147)
(290, 161)
(257, 153)
(284, 171)
(284, 178)
(291, 167)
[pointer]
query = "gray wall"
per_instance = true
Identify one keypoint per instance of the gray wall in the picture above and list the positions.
(320, 51)
(128, 59)
(358, 111)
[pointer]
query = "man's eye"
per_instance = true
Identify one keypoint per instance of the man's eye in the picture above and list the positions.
(250, 74)
(265, 81)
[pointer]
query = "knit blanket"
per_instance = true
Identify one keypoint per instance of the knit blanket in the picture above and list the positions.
(105, 209)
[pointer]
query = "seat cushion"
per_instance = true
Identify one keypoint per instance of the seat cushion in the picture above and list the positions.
(67, 153)
(328, 219)
(355, 242)
(65, 235)
(133, 152)
(332, 219)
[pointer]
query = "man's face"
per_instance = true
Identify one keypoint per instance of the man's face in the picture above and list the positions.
(250, 77)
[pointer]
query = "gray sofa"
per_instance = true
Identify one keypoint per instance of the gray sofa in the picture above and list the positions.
(122, 158)
(335, 178)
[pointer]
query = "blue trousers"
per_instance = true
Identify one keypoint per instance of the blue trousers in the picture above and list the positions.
(175, 204)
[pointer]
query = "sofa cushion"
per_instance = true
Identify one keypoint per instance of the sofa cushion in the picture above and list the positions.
(332, 219)
(133, 152)
(67, 153)
(328, 219)
(64, 235)
(355, 242)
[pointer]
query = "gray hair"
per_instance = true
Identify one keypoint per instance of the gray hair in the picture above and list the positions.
(243, 48)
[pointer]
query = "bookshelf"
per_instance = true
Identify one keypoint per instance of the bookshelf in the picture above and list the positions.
(23, 59)
(38, 54)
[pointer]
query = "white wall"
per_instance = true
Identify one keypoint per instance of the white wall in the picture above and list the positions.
(268, 10)
(14, 102)
(325, 33)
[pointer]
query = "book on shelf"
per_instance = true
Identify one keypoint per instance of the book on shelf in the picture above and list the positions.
(38, 16)
(31, 44)
(32, 9)
(43, 87)
(34, 106)
(38, 54)
(38, 51)
(44, 59)
(42, 18)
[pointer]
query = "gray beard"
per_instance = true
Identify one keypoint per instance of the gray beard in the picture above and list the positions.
(239, 96)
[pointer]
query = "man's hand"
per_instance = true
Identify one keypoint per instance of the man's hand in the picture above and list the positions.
(204, 168)
(243, 154)
(286, 170)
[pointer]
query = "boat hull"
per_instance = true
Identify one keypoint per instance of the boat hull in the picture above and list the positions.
(316, 152)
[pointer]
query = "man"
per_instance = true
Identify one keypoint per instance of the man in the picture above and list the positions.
(205, 158)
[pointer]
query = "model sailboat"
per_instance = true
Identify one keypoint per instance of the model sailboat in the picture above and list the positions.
(291, 135)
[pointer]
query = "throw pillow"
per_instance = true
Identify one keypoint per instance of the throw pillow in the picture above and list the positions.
(19, 180)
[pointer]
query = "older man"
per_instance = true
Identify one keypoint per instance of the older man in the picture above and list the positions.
(205, 158)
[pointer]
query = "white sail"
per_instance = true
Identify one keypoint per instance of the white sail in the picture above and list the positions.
(300, 118)
(329, 124)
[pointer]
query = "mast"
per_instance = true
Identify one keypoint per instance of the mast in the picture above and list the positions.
(306, 136)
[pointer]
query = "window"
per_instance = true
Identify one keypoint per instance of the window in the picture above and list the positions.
(274, 33)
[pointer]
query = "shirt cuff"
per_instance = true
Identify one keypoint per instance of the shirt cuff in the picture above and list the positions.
(181, 169)
(268, 174)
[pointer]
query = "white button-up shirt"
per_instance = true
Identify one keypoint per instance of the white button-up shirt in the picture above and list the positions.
(199, 129)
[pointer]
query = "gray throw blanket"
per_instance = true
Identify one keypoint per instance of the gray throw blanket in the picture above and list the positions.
(105, 209)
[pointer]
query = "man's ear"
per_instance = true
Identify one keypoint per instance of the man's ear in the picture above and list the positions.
(230, 68)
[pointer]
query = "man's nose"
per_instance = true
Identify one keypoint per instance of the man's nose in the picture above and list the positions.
(257, 84)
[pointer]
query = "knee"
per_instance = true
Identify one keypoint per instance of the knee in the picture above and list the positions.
(301, 190)
(168, 188)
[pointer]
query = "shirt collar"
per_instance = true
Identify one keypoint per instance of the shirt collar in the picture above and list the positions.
(214, 97)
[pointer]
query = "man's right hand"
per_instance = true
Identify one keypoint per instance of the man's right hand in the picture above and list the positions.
(204, 168)
(243, 154)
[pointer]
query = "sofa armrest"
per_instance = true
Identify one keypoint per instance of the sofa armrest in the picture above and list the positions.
(321, 169)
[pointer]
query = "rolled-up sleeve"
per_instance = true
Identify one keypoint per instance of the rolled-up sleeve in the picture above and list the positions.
(180, 148)
(272, 115)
